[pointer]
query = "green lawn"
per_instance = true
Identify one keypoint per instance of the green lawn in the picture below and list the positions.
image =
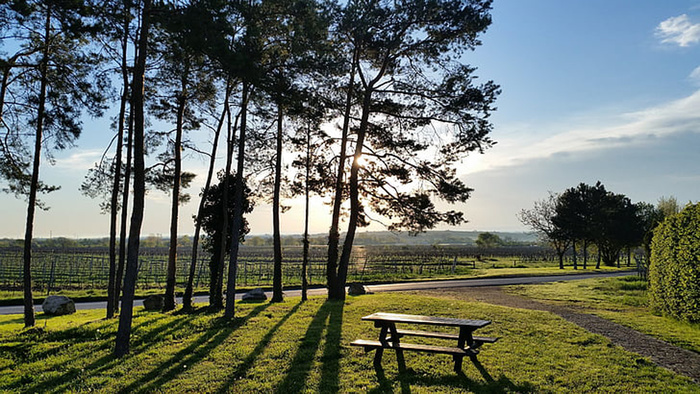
(293, 347)
(622, 300)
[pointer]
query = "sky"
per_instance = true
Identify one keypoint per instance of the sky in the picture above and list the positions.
(596, 90)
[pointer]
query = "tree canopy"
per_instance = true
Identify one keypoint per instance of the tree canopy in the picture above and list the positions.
(592, 214)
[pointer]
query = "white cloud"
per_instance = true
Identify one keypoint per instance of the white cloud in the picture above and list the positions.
(679, 30)
(79, 160)
(695, 76)
(638, 127)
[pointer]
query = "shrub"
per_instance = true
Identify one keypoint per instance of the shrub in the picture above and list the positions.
(674, 274)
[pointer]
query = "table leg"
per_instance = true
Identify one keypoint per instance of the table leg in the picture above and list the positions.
(399, 353)
(465, 338)
(380, 352)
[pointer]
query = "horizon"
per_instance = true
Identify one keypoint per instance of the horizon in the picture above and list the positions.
(180, 235)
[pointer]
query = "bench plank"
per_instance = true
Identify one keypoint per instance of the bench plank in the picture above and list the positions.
(442, 335)
(455, 351)
(417, 319)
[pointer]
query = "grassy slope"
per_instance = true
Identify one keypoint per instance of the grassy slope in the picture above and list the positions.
(293, 347)
(622, 300)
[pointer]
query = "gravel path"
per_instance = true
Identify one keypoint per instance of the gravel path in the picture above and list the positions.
(663, 354)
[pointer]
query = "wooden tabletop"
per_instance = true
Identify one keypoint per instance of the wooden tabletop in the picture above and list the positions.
(432, 320)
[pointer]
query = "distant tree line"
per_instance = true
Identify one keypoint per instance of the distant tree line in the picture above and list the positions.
(588, 216)
(370, 98)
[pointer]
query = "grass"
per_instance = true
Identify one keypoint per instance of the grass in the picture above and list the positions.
(294, 347)
(622, 300)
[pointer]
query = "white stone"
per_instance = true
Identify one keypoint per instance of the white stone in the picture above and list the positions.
(255, 295)
(58, 305)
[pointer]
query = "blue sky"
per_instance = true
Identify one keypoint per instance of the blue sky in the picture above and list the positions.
(593, 90)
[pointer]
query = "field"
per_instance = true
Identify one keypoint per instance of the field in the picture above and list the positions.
(83, 272)
(303, 347)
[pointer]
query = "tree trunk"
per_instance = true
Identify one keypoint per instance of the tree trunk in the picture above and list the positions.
(125, 214)
(216, 300)
(573, 247)
(585, 253)
(629, 256)
(237, 226)
(187, 298)
(307, 192)
(169, 301)
(276, 237)
(334, 232)
(125, 317)
(561, 259)
(29, 318)
(114, 211)
(343, 265)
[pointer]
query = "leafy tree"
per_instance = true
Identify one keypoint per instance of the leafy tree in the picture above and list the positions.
(592, 213)
(187, 297)
(539, 219)
(212, 221)
(579, 216)
(111, 177)
(619, 228)
(668, 206)
(183, 83)
(649, 218)
(52, 80)
(299, 33)
(488, 240)
(674, 274)
(293, 57)
(403, 84)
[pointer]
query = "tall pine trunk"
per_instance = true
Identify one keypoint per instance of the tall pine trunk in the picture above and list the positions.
(125, 212)
(29, 318)
(334, 232)
(121, 347)
(169, 301)
(355, 207)
(216, 300)
(237, 225)
(277, 295)
(307, 192)
(112, 297)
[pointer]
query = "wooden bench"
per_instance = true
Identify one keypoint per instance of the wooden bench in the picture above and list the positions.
(467, 344)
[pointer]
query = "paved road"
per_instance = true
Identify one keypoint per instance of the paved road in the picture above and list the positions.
(428, 285)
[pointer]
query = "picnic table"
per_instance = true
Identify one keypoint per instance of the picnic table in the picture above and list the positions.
(390, 337)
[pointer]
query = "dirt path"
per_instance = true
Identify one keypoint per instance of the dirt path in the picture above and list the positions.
(663, 354)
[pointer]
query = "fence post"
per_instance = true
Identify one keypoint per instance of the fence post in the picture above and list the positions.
(51, 278)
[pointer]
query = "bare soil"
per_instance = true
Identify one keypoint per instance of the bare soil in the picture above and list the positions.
(679, 360)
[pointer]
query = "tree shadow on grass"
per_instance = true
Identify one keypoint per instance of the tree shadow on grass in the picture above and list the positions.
(460, 381)
(193, 353)
(159, 374)
(26, 351)
(297, 376)
(71, 337)
(248, 361)
(19, 320)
